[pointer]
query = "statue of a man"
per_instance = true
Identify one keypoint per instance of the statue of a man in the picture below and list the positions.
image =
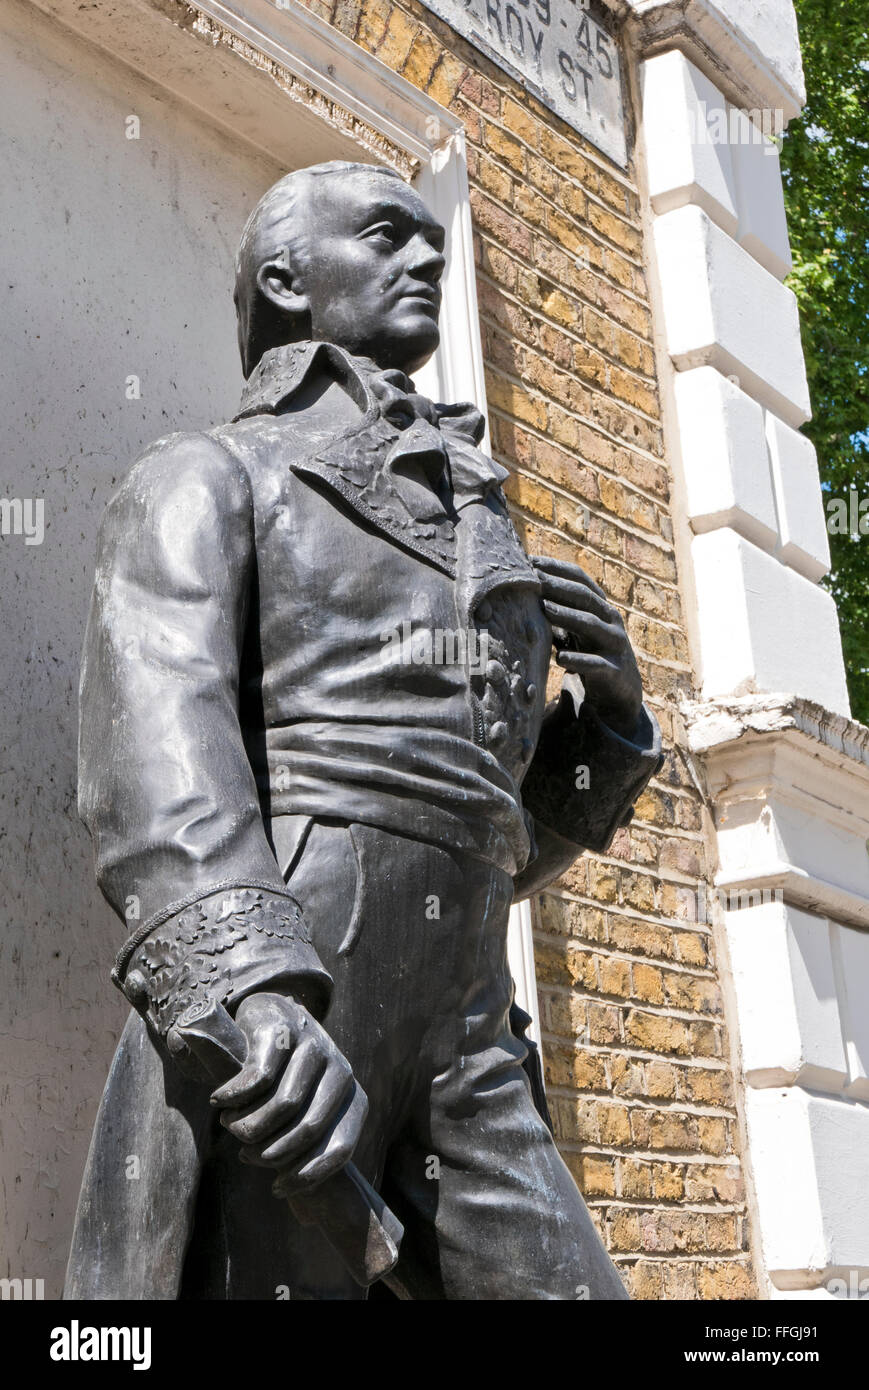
(317, 766)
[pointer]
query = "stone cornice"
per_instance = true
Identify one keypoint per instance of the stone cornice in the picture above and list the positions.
(716, 722)
(750, 51)
(712, 724)
(789, 787)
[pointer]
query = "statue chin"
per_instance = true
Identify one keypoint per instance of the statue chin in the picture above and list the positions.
(408, 355)
(406, 342)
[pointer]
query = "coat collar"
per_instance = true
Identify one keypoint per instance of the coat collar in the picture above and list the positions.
(282, 371)
(387, 465)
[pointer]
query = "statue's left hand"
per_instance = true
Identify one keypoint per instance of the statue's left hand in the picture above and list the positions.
(591, 642)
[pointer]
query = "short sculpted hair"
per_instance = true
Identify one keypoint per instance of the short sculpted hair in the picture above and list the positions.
(278, 229)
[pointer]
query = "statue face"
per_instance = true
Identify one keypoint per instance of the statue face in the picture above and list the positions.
(372, 268)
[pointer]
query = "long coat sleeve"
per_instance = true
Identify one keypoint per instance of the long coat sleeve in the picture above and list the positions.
(582, 785)
(165, 784)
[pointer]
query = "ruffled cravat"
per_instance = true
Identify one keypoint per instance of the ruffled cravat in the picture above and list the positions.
(442, 438)
(436, 443)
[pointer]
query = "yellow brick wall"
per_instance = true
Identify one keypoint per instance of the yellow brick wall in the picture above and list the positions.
(635, 1044)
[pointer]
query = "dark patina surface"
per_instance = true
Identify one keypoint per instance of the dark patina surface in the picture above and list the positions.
(318, 768)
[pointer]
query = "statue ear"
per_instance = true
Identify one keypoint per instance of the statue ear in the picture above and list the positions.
(278, 283)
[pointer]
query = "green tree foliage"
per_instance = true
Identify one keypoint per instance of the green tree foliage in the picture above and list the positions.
(824, 162)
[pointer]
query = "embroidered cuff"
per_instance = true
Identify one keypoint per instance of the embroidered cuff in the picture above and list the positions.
(230, 943)
(584, 779)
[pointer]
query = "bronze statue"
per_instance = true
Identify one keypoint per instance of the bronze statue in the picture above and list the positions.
(317, 766)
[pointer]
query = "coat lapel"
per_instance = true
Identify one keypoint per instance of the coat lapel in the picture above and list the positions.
(389, 475)
(364, 468)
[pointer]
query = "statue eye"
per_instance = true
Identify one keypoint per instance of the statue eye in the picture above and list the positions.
(385, 232)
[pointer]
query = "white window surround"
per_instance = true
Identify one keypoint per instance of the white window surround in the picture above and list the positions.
(345, 82)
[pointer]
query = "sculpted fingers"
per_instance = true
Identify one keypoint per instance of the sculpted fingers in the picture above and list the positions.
(254, 1124)
(311, 1136)
(295, 1101)
(547, 566)
(332, 1151)
(328, 1103)
(585, 663)
(263, 1064)
(273, 1027)
(591, 630)
(577, 596)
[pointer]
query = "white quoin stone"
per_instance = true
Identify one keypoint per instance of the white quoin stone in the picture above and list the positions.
(685, 165)
(801, 519)
(763, 228)
(786, 994)
(724, 457)
(810, 1158)
(722, 309)
(762, 626)
(788, 782)
(851, 956)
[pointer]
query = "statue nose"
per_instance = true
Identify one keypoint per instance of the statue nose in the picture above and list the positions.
(428, 259)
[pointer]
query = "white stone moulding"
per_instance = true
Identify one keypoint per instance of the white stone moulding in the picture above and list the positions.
(722, 309)
(763, 227)
(682, 165)
(745, 468)
(810, 1161)
(520, 955)
(790, 1026)
(749, 48)
(788, 782)
(702, 151)
(787, 774)
(850, 950)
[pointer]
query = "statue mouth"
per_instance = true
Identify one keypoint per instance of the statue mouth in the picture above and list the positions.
(426, 294)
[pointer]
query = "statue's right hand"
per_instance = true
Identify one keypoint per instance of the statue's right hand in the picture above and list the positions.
(295, 1105)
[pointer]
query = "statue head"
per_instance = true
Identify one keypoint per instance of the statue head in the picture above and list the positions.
(343, 253)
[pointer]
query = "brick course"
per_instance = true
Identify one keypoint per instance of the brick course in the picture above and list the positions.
(635, 1044)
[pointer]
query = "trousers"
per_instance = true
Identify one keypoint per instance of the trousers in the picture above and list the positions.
(414, 936)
